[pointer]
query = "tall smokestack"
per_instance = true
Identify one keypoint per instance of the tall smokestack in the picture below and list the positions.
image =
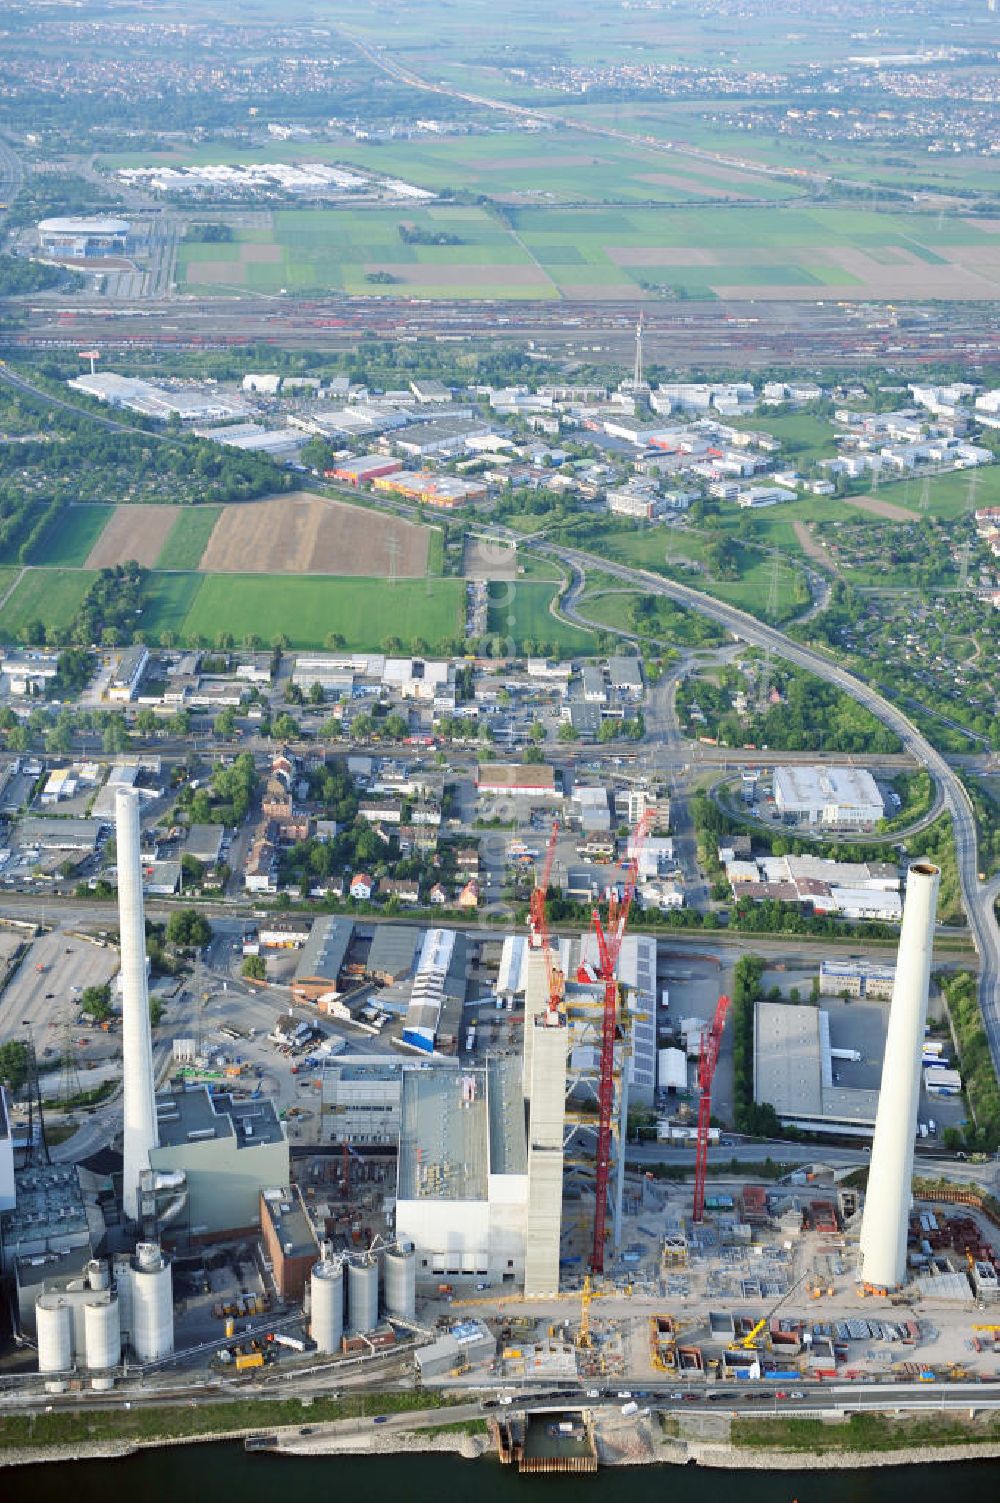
(887, 1203)
(137, 1043)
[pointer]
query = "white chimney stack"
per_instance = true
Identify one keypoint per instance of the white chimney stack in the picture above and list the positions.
(887, 1202)
(137, 1043)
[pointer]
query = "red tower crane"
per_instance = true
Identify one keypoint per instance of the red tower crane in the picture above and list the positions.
(539, 924)
(706, 1073)
(608, 949)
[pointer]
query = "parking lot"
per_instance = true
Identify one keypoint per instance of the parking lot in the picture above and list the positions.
(50, 977)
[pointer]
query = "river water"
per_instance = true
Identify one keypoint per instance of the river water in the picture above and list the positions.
(213, 1473)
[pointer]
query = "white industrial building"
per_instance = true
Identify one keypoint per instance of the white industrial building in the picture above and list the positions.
(189, 404)
(462, 1189)
(831, 796)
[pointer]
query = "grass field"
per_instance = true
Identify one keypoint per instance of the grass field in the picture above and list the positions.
(307, 609)
(521, 612)
(188, 537)
(666, 552)
(78, 531)
(51, 596)
(169, 598)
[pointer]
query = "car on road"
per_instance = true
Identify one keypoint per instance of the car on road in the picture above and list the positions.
(380, 1419)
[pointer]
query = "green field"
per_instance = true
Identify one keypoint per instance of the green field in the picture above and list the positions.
(169, 598)
(667, 553)
(545, 252)
(51, 596)
(515, 166)
(306, 609)
(339, 248)
(198, 608)
(520, 612)
(188, 537)
(79, 529)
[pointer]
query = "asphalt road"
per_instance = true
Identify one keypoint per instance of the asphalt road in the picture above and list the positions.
(977, 897)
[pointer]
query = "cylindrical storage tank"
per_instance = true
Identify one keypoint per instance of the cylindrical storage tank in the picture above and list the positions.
(885, 1223)
(152, 1304)
(401, 1283)
(362, 1296)
(102, 1333)
(54, 1327)
(98, 1276)
(326, 1286)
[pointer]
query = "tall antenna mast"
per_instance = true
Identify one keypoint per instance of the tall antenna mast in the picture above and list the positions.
(637, 378)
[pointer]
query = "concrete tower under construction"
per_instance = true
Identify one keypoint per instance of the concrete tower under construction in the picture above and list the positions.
(137, 1045)
(887, 1203)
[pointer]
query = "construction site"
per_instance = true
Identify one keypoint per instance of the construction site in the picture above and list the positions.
(499, 1228)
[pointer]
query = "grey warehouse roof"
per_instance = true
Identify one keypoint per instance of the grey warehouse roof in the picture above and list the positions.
(325, 951)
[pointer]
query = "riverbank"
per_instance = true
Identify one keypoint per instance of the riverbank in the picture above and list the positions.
(463, 1444)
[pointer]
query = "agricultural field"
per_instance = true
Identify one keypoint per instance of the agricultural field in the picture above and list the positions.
(306, 534)
(169, 598)
(78, 531)
(763, 253)
(308, 609)
(515, 166)
(684, 128)
(188, 538)
(362, 251)
(735, 252)
(521, 612)
(133, 532)
(52, 596)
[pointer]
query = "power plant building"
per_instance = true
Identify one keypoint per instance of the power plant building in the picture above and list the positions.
(463, 1173)
(289, 1240)
(230, 1151)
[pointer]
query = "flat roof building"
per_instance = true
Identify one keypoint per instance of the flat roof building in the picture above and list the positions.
(229, 1150)
(520, 780)
(127, 676)
(832, 796)
(858, 978)
(290, 1240)
(462, 1187)
(793, 1071)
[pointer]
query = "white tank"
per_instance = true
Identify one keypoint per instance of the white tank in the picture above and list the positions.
(890, 1173)
(97, 1274)
(362, 1296)
(400, 1283)
(327, 1298)
(152, 1304)
(102, 1332)
(54, 1325)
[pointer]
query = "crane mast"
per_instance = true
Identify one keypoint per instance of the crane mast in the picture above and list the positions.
(706, 1073)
